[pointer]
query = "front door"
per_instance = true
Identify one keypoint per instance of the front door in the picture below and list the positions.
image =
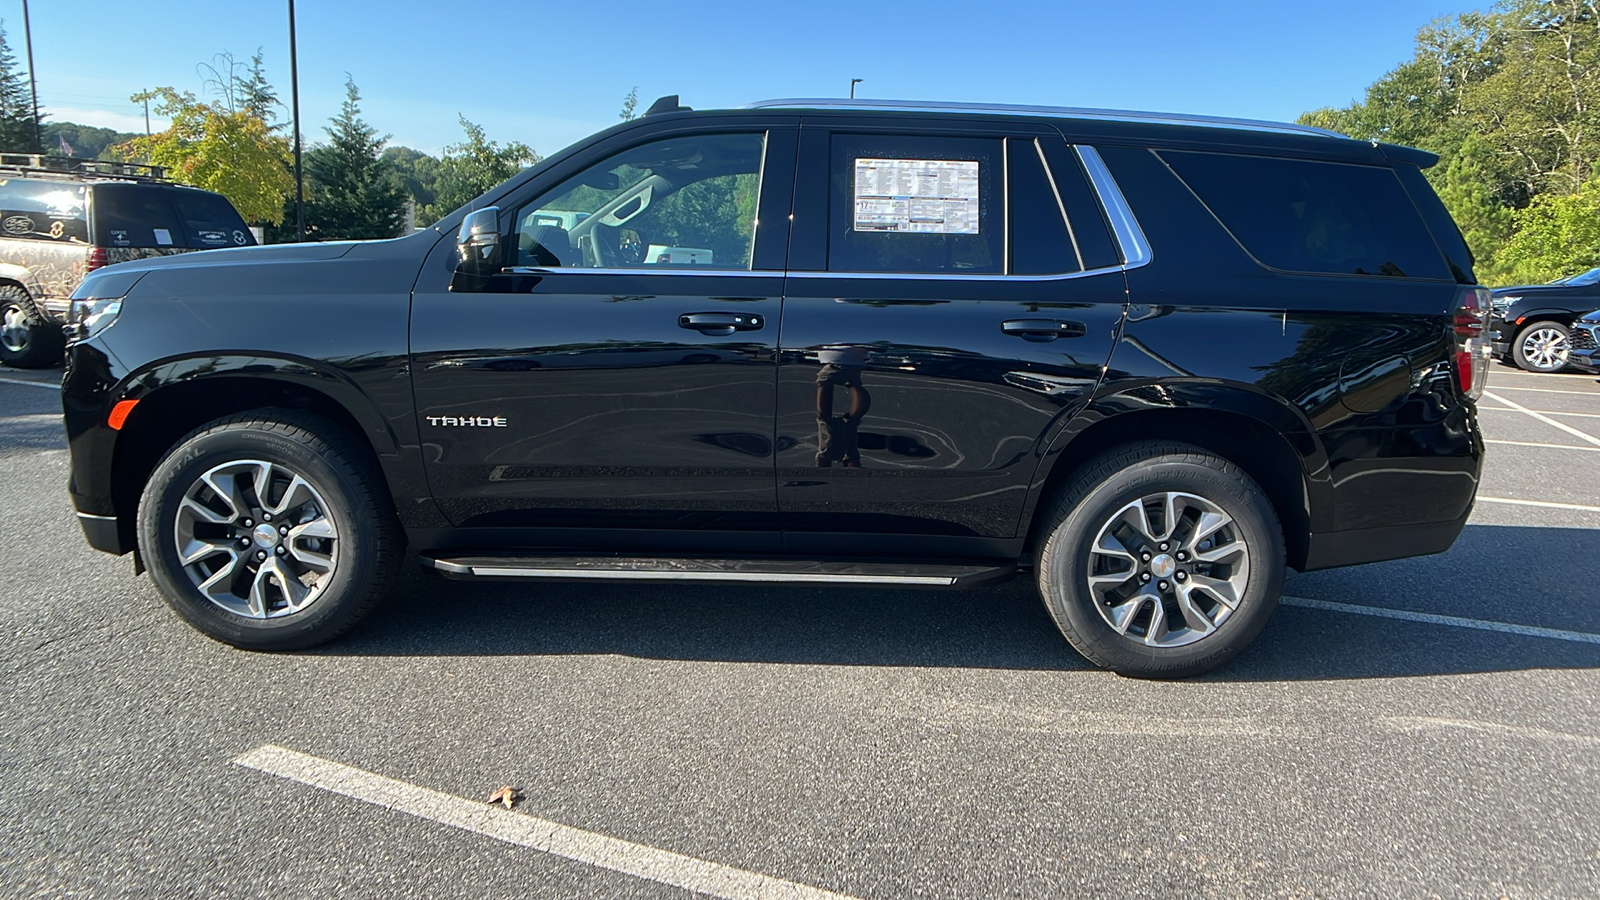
(953, 297)
(619, 376)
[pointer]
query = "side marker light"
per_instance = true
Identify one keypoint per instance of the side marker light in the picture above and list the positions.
(119, 413)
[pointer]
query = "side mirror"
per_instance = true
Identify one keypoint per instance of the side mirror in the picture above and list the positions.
(478, 242)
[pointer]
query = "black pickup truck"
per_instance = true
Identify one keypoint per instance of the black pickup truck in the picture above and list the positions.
(1149, 361)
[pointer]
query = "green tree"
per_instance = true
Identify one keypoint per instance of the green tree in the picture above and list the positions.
(233, 153)
(630, 103)
(1556, 235)
(354, 194)
(1485, 222)
(418, 172)
(19, 130)
(86, 141)
(470, 168)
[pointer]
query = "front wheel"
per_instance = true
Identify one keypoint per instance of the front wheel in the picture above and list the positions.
(271, 530)
(1161, 560)
(1543, 347)
(28, 340)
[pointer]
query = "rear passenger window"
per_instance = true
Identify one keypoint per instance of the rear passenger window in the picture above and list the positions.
(1314, 217)
(915, 205)
(209, 220)
(134, 215)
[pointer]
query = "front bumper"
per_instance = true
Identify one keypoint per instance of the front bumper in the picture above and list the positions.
(1585, 346)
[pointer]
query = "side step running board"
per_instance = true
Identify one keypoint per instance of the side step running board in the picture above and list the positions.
(780, 571)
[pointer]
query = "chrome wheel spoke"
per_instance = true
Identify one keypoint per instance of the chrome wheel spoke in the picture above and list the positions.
(1193, 617)
(289, 589)
(226, 486)
(296, 495)
(192, 507)
(197, 550)
(1123, 615)
(220, 584)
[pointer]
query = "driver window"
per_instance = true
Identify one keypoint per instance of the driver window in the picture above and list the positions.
(681, 202)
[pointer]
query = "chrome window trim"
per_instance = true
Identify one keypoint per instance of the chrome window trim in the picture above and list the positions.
(1071, 112)
(945, 276)
(703, 271)
(1050, 176)
(1136, 250)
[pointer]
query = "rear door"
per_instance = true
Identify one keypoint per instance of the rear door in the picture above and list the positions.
(953, 295)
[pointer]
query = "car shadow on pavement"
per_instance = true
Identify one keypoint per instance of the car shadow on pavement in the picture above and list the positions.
(1497, 573)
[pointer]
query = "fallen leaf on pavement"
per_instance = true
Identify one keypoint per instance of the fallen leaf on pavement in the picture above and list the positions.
(506, 796)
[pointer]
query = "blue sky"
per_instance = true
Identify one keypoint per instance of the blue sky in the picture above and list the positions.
(550, 73)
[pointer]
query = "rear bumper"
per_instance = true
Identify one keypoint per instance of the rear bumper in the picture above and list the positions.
(1330, 550)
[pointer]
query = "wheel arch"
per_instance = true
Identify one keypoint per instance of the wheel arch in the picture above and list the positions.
(177, 396)
(1269, 440)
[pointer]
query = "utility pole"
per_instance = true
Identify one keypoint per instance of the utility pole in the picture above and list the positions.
(853, 83)
(294, 99)
(33, 86)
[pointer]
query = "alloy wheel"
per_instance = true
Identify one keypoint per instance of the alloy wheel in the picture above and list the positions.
(1545, 349)
(14, 332)
(1168, 569)
(256, 539)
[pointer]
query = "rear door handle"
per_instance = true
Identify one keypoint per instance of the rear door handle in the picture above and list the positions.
(720, 322)
(1043, 329)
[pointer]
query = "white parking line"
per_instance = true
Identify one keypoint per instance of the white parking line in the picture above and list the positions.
(1508, 387)
(1582, 435)
(1544, 503)
(1547, 412)
(43, 384)
(604, 851)
(1555, 634)
(1545, 446)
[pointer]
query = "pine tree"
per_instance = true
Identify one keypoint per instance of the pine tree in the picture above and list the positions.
(19, 132)
(353, 194)
(1484, 222)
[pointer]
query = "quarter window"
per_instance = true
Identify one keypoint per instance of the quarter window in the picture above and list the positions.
(684, 202)
(1315, 217)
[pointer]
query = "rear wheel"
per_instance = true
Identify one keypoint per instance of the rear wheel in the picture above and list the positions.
(270, 530)
(28, 340)
(1543, 347)
(1161, 560)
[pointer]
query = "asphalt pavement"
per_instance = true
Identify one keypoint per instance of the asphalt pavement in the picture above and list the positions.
(1420, 728)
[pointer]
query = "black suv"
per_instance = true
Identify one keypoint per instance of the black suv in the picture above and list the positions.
(1150, 361)
(1535, 325)
(62, 218)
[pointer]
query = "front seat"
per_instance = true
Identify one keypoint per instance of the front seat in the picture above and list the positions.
(549, 246)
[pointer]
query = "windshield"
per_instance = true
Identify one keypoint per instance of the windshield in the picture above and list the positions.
(1582, 278)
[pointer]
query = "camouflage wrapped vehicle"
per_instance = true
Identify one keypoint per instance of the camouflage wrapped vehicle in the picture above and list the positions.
(62, 218)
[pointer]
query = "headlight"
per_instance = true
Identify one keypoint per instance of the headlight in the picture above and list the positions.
(87, 318)
(97, 301)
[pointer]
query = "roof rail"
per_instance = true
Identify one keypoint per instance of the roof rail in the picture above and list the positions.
(26, 164)
(1066, 112)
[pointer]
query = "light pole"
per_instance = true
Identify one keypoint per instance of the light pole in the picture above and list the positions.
(294, 100)
(33, 85)
(853, 83)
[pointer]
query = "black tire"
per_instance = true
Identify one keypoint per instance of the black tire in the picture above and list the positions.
(1542, 347)
(365, 551)
(1091, 501)
(29, 340)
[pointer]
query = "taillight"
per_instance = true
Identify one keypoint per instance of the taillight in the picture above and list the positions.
(97, 258)
(1472, 351)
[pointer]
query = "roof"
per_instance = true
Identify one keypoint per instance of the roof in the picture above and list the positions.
(1056, 112)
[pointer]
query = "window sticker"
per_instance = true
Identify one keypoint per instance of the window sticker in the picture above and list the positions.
(917, 196)
(215, 238)
(120, 238)
(163, 237)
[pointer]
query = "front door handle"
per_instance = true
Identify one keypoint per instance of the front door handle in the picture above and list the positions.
(720, 322)
(1043, 329)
